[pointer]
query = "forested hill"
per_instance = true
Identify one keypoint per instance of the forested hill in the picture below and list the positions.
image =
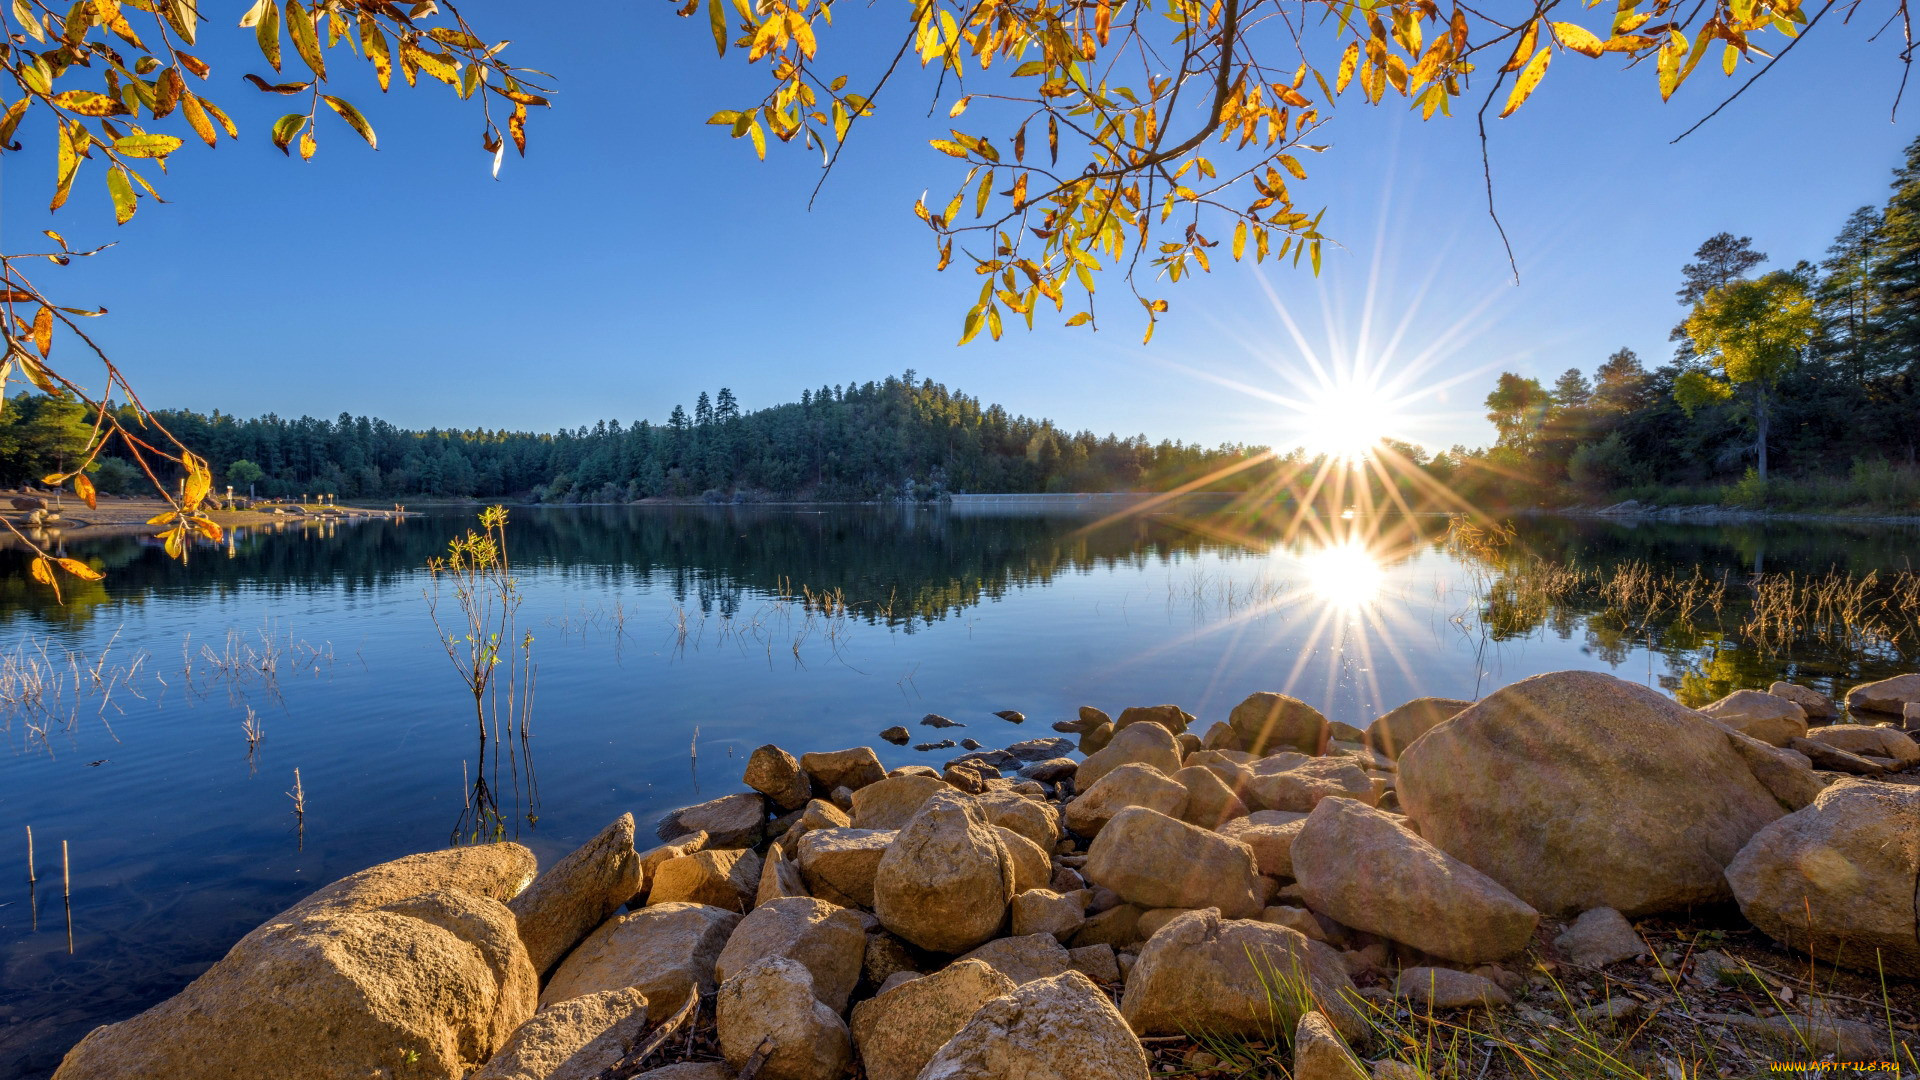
(901, 436)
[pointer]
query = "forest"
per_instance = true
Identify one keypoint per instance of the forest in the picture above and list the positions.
(901, 437)
(1795, 388)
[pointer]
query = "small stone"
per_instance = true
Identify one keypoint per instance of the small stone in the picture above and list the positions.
(1032, 818)
(972, 777)
(1012, 716)
(1050, 771)
(776, 774)
(1095, 740)
(1144, 744)
(1295, 918)
(1039, 749)
(1096, 962)
(1270, 833)
(970, 744)
(1116, 926)
(1043, 911)
(887, 956)
(897, 735)
(1815, 704)
(1445, 988)
(773, 999)
(1265, 722)
(842, 797)
(1609, 1013)
(943, 744)
(1172, 717)
(1130, 784)
(1319, 1053)
(935, 720)
(1826, 756)
(1599, 937)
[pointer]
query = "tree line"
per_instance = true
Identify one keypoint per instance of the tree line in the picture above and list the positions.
(900, 437)
(1799, 386)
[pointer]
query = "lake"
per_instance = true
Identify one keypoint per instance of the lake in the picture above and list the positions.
(671, 641)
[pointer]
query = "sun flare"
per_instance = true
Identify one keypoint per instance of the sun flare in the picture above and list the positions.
(1347, 421)
(1343, 574)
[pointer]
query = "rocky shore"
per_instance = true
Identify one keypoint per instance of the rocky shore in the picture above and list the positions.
(1558, 865)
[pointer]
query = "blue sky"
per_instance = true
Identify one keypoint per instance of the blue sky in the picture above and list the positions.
(638, 256)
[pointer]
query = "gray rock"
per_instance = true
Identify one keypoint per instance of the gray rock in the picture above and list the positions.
(779, 876)
(1787, 774)
(775, 773)
(839, 864)
(1040, 749)
(1599, 937)
(1445, 988)
(1205, 973)
(577, 894)
(665, 952)
(1043, 911)
(1297, 785)
(935, 720)
(1012, 716)
(1270, 833)
(1152, 860)
(900, 1029)
(887, 956)
(826, 939)
(1772, 720)
(1096, 962)
(1118, 927)
(731, 821)
(1830, 757)
(1266, 722)
(945, 881)
(1883, 742)
(1889, 696)
(897, 735)
(690, 1070)
(1816, 705)
(773, 1000)
(1319, 1053)
(1023, 959)
(1062, 1028)
(1825, 1036)
(574, 1040)
(1050, 771)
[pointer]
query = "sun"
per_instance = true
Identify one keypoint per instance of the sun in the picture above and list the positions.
(1347, 420)
(1343, 574)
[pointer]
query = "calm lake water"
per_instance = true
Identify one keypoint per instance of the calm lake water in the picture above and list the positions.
(672, 641)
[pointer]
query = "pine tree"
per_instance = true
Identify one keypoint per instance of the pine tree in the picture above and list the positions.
(1848, 297)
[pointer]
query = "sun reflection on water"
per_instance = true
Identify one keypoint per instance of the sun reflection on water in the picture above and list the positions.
(1344, 574)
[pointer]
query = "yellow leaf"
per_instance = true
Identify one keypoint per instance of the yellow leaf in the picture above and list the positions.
(199, 482)
(83, 487)
(1730, 59)
(948, 147)
(121, 189)
(759, 138)
(1348, 62)
(1080, 319)
(42, 569)
(1530, 77)
(1578, 38)
(1523, 47)
(1239, 240)
(80, 570)
(960, 106)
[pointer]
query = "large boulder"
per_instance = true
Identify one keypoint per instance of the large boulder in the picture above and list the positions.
(1772, 720)
(1394, 730)
(315, 989)
(720, 877)
(892, 802)
(945, 881)
(830, 941)
(1270, 833)
(1889, 696)
(1815, 704)
(730, 821)
(1172, 717)
(772, 1001)
(1837, 879)
(665, 951)
(839, 864)
(1143, 744)
(574, 1040)
(851, 769)
(1132, 784)
(1062, 1028)
(775, 773)
(1266, 722)
(1872, 741)
(1235, 977)
(577, 894)
(1155, 861)
(1034, 819)
(897, 1032)
(1364, 869)
(1578, 790)
(1294, 784)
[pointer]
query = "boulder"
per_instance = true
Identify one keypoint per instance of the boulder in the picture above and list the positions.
(1043, 911)
(1270, 833)
(1395, 730)
(665, 952)
(1319, 1053)
(1787, 774)
(1295, 918)
(573, 1040)
(1062, 1028)
(775, 773)
(1266, 722)
(1882, 742)
(772, 1000)
(839, 864)
(891, 802)
(1141, 744)
(897, 735)
(1096, 962)
(651, 859)
(1578, 790)
(1172, 717)
(1361, 867)
(1220, 736)
(328, 961)
(730, 821)
(1040, 749)
(1155, 861)
(1220, 976)
(1836, 879)
(1597, 938)
(887, 956)
(972, 777)
(1034, 819)
(1050, 771)
(851, 769)
(945, 881)
(577, 894)
(1131, 784)
(1117, 927)
(898, 1031)
(1445, 988)
(1209, 800)
(828, 940)
(1032, 867)
(720, 877)
(1833, 759)
(1772, 720)
(1816, 705)
(1296, 785)
(1889, 696)
(817, 814)
(1095, 739)
(779, 876)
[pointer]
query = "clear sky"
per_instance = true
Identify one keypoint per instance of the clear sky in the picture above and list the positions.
(638, 256)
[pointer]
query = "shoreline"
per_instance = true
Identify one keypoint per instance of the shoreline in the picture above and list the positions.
(1712, 514)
